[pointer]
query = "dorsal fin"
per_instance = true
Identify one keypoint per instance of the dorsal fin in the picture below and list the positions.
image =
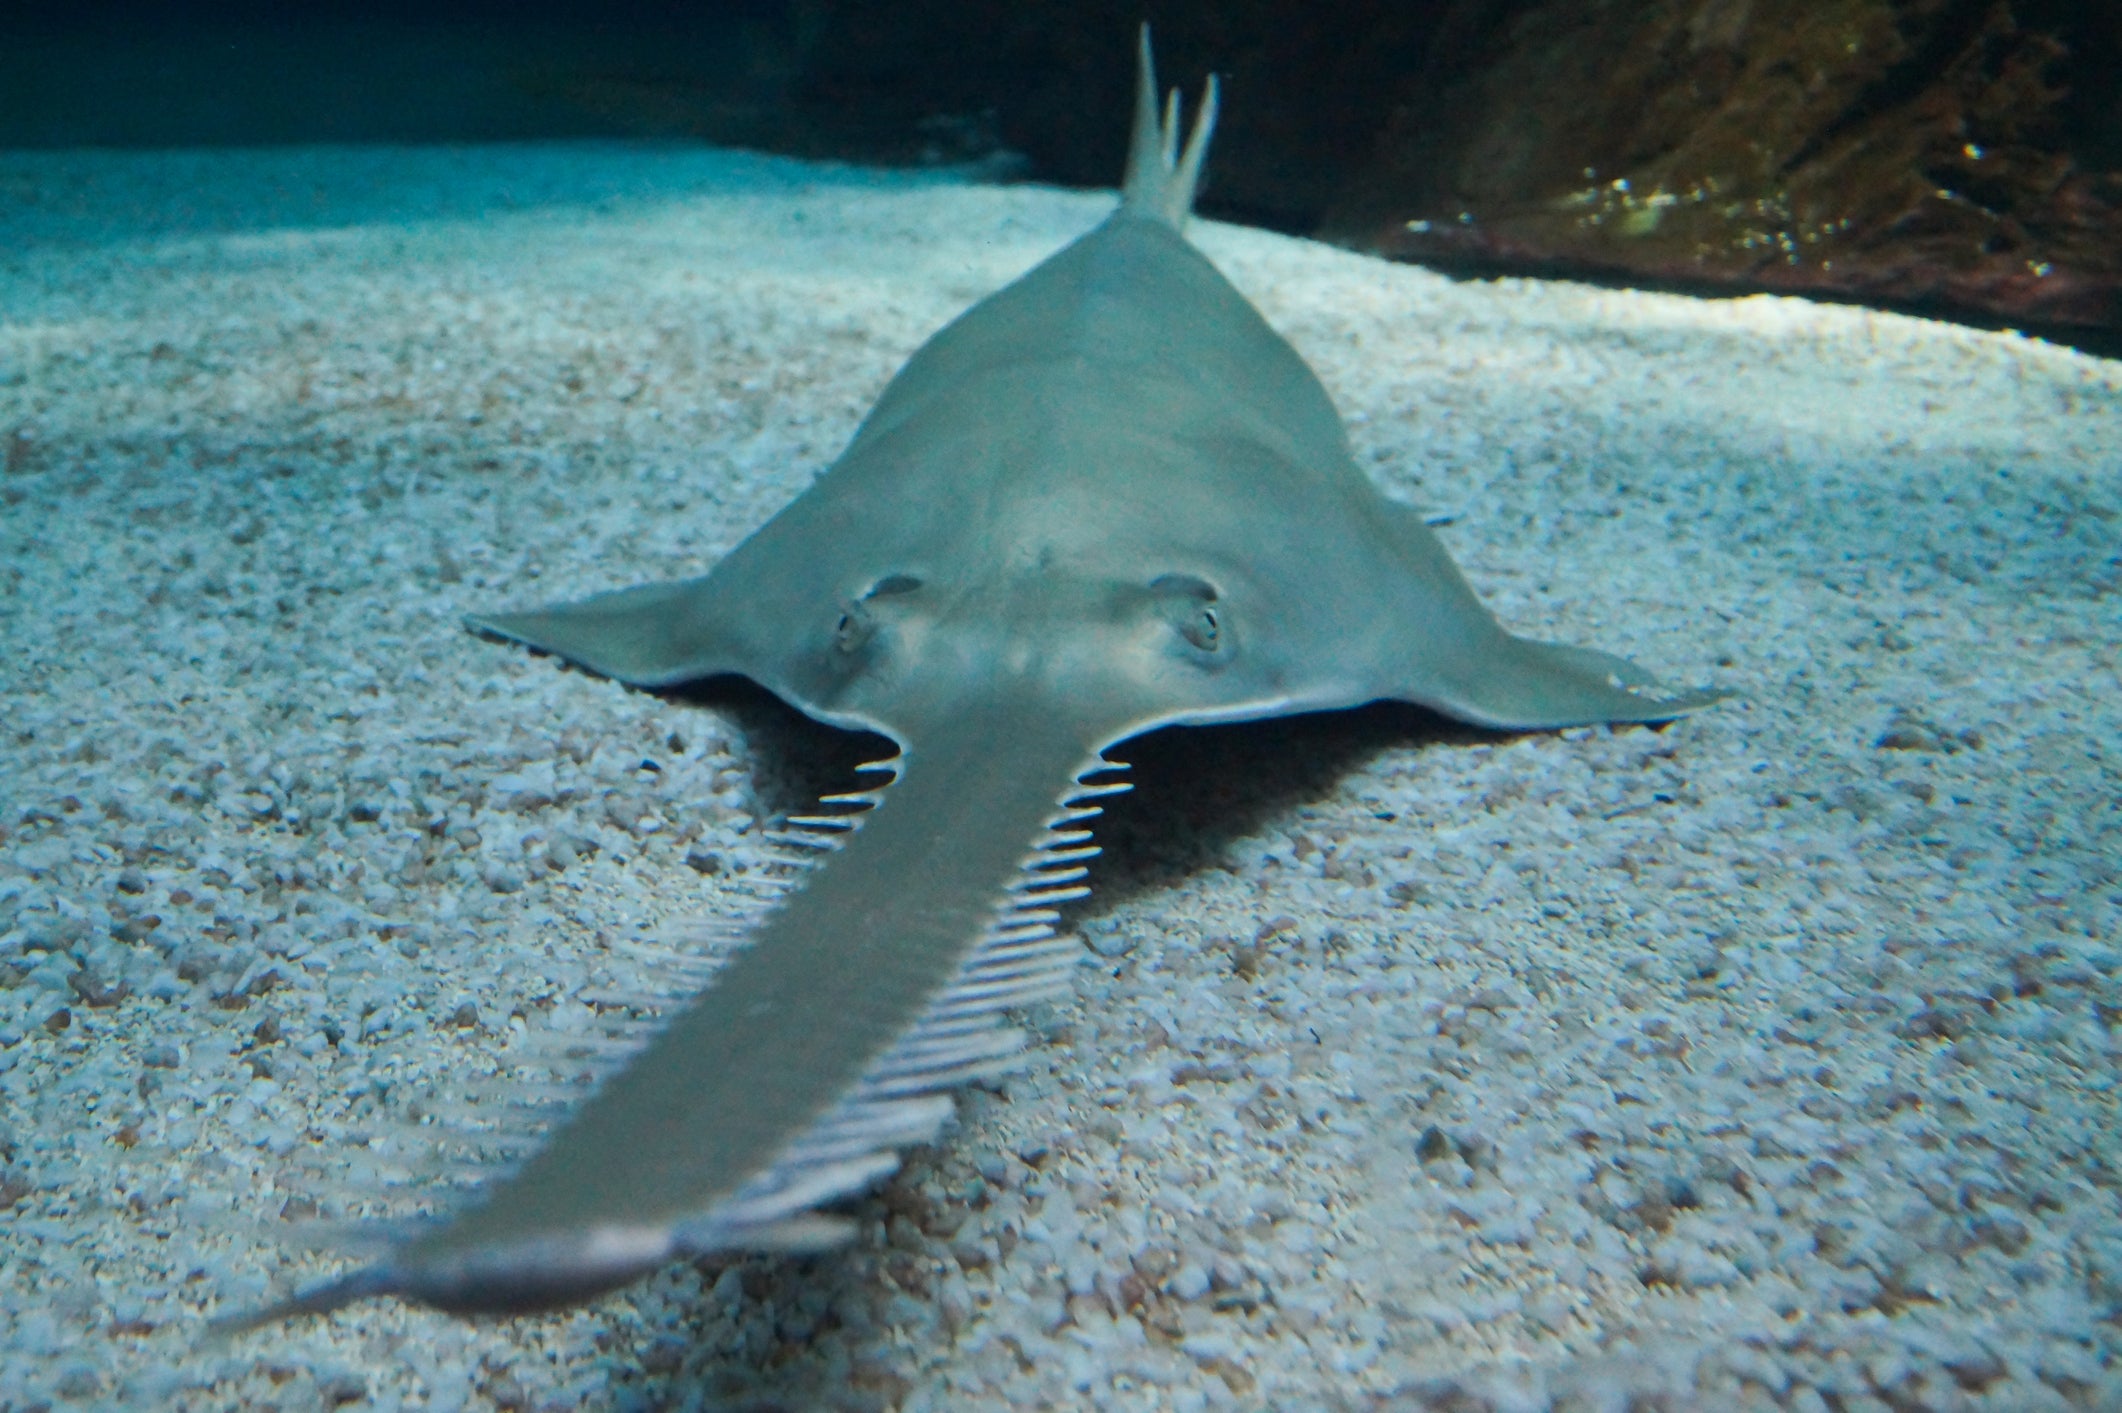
(1160, 180)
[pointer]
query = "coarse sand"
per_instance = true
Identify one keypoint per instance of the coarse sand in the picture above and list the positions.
(1764, 1060)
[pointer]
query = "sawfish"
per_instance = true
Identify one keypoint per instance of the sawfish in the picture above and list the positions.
(1107, 499)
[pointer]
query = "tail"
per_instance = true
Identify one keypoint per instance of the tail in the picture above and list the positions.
(1160, 181)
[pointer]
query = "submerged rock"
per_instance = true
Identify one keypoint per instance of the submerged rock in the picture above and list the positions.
(1908, 152)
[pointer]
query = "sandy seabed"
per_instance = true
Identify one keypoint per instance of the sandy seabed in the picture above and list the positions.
(1766, 1060)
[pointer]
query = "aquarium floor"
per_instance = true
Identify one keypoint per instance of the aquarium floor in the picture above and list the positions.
(1765, 1060)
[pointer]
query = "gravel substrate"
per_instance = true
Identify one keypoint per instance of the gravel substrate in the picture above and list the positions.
(1763, 1061)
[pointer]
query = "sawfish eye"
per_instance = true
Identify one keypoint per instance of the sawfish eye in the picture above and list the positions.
(858, 624)
(854, 629)
(1202, 630)
(1189, 604)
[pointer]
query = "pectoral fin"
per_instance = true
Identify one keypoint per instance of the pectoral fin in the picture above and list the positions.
(653, 635)
(1519, 684)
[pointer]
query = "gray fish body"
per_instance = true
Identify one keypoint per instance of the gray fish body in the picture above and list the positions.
(1107, 498)
(1119, 406)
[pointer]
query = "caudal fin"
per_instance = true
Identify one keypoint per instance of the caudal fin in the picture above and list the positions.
(1160, 179)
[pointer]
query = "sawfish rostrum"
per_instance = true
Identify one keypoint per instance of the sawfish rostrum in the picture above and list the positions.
(1108, 498)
